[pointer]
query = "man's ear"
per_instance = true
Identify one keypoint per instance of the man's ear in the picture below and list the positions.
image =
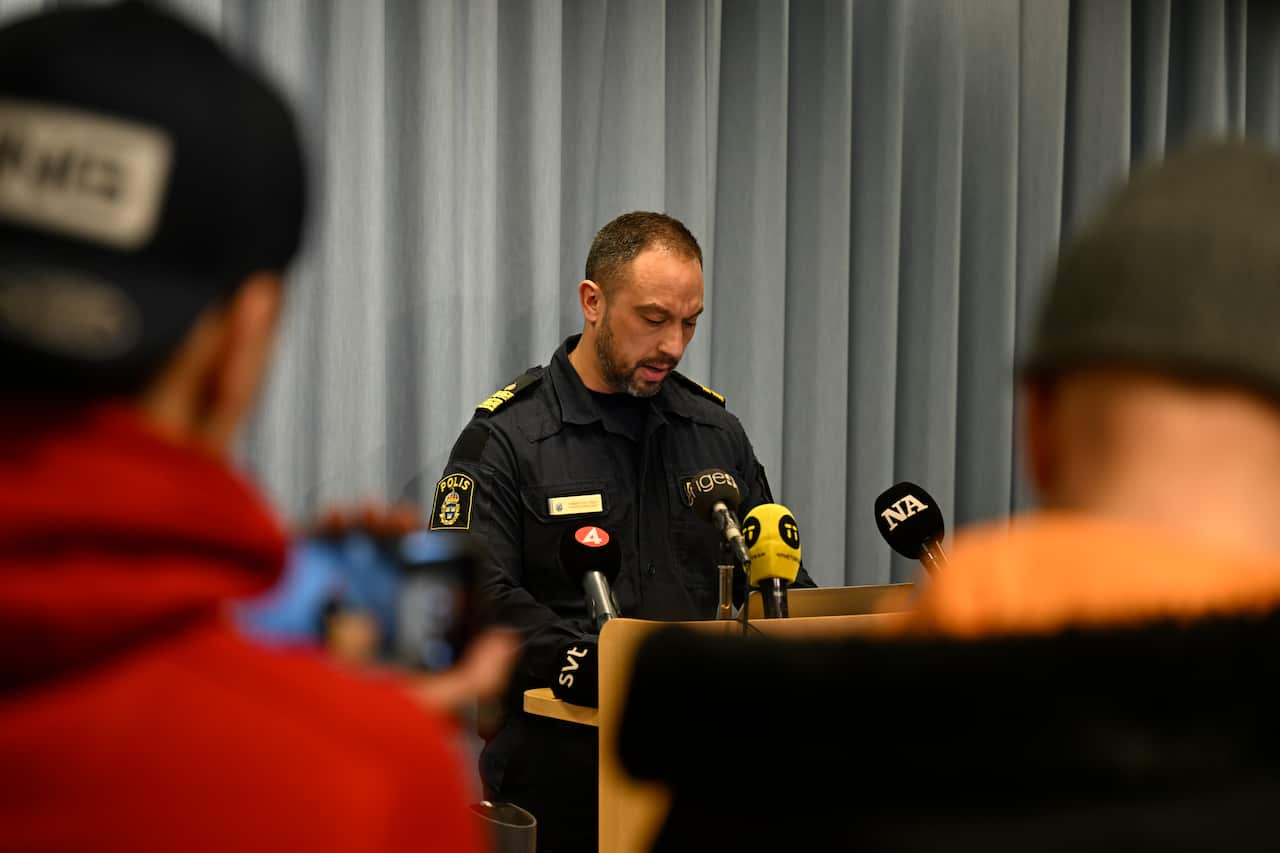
(241, 361)
(591, 297)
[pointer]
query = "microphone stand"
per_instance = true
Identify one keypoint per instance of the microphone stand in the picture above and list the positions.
(933, 557)
(724, 609)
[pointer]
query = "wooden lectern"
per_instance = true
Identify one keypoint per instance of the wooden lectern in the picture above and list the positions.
(632, 812)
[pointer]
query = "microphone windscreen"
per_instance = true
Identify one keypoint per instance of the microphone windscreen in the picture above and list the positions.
(589, 549)
(705, 489)
(773, 541)
(576, 677)
(908, 518)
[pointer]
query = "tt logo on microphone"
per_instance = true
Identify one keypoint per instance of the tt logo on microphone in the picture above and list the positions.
(705, 482)
(567, 671)
(902, 510)
(789, 531)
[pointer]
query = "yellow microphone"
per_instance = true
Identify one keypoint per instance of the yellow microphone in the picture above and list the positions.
(773, 541)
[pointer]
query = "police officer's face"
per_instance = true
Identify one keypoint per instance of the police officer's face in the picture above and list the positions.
(649, 319)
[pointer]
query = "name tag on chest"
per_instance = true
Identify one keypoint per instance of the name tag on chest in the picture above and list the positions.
(575, 504)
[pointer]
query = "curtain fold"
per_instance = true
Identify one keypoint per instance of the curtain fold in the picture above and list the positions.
(879, 188)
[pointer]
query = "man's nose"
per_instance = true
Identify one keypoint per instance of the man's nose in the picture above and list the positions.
(671, 344)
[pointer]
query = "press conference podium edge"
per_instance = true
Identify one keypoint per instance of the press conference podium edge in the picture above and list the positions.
(840, 600)
(631, 812)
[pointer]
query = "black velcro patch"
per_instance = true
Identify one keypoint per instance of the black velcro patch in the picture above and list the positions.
(451, 507)
(470, 445)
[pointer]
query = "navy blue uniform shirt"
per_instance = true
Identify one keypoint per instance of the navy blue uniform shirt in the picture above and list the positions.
(544, 456)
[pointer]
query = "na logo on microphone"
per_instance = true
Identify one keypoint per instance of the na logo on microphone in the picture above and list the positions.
(902, 510)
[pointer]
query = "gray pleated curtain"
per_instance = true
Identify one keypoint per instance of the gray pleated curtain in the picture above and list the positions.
(878, 188)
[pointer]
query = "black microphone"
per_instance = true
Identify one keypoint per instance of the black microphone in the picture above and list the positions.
(714, 496)
(576, 677)
(592, 557)
(910, 521)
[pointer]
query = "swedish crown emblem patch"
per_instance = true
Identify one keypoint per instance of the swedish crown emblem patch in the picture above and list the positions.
(451, 508)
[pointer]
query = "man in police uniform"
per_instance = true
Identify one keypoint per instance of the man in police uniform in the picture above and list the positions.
(605, 435)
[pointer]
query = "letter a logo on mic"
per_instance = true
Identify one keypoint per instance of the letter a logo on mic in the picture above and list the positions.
(592, 537)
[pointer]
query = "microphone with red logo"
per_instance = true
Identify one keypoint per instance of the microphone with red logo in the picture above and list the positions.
(590, 556)
(910, 521)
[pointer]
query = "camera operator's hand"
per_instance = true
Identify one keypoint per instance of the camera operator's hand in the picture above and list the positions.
(480, 676)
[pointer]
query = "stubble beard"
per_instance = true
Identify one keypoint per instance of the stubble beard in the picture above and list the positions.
(614, 374)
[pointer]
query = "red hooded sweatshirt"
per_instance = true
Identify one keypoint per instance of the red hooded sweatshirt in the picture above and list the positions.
(133, 717)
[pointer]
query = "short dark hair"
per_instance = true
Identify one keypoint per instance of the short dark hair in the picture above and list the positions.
(617, 244)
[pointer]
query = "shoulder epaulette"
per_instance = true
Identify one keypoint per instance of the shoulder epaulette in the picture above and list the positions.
(699, 389)
(506, 394)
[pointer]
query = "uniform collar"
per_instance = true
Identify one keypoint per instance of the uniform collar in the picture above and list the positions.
(578, 406)
(576, 403)
(673, 399)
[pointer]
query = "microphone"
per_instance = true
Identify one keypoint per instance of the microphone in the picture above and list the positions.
(714, 496)
(590, 556)
(773, 536)
(910, 521)
(577, 675)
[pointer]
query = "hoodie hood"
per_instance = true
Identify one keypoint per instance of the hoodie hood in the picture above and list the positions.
(110, 533)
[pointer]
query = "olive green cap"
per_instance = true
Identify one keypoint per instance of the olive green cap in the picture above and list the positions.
(1179, 273)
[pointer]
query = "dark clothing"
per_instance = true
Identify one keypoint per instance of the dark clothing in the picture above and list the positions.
(1153, 735)
(548, 447)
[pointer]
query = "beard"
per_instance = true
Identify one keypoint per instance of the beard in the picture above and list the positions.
(614, 370)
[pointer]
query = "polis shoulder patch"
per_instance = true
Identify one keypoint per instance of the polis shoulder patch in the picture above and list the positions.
(451, 508)
(699, 389)
(505, 395)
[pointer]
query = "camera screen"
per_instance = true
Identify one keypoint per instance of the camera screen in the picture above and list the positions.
(429, 606)
(433, 611)
(409, 601)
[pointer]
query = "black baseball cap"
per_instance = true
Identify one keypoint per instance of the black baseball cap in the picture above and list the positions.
(144, 174)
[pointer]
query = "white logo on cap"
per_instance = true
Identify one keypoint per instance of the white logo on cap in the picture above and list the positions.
(81, 174)
(70, 313)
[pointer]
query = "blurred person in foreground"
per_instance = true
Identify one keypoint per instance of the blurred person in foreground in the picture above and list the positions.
(1152, 419)
(151, 197)
(1091, 675)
